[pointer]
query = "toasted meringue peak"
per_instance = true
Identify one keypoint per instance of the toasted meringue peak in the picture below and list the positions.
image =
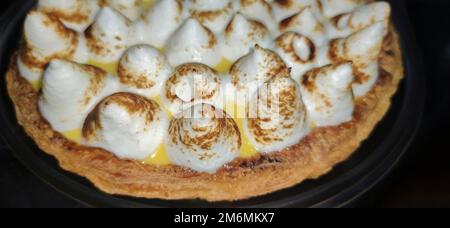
(364, 16)
(144, 69)
(207, 5)
(203, 138)
(213, 18)
(256, 68)
(132, 9)
(192, 84)
(332, 8)
(159, 23)
(30, 73)
(277, 116)
(108, 37)
(305, 23)
(127, 125)
(365, 79)
(297, 51)
(70, 91)
(362, 47)
(258, 10)
(328, 96)
(193, 42)
(39, 49)
(283, 9)
(58, 41)
(75, 14)
(241, 35)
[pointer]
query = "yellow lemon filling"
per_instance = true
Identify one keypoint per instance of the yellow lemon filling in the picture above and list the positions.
(224, 66)
(111, 68)
(74, 135)
(160, 157)
(37, 85)
(147, 4)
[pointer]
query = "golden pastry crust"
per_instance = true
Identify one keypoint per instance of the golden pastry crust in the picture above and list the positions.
(311, 158)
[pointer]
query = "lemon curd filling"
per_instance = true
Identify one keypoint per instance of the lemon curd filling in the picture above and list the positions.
(37, 84)
(160, 157)
(147, 4)
(74, 135)
(224, 66)
(111, 67)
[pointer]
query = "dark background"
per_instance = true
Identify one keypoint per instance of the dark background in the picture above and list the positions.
(421, 180)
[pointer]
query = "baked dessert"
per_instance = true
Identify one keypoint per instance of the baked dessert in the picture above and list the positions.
(217, 100)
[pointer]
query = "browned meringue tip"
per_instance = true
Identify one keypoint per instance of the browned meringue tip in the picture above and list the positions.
(246, 3)
(210, 15)
(188, 70)
(286, 72)
(205, 134)
(257, 27)
(99, 41)
(309, 79)
(335, 51)
(140, 66)
(74, 16)
(364, 16)
(297, 18)
(202, 110)
(271, 104)
(268, 61)
(130, 102)
(340, 21)
(284, 3)
(31, 55)
(286, 43)
(349, 48)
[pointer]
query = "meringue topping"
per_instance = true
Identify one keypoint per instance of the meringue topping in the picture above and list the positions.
(256, 68)
(159, 23)
(332, 8)
(207, 5)
(365, 79)
(108, 37)
(258, 10)
(132, 9)
(192, 84)
(70, 91)
(295, 64)
(193, 42)
(277, 116)
(144, 69)
(305, 23)
(212, 17)
(328, 96)
(286, 8)
(364, 16)
(363, 49)
(297, 51)
(127, 125)
(203, 138)
(241, 35)
(75, 14)
(58, 42)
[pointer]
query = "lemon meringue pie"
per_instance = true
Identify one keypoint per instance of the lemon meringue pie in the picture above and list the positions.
(200, 99)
